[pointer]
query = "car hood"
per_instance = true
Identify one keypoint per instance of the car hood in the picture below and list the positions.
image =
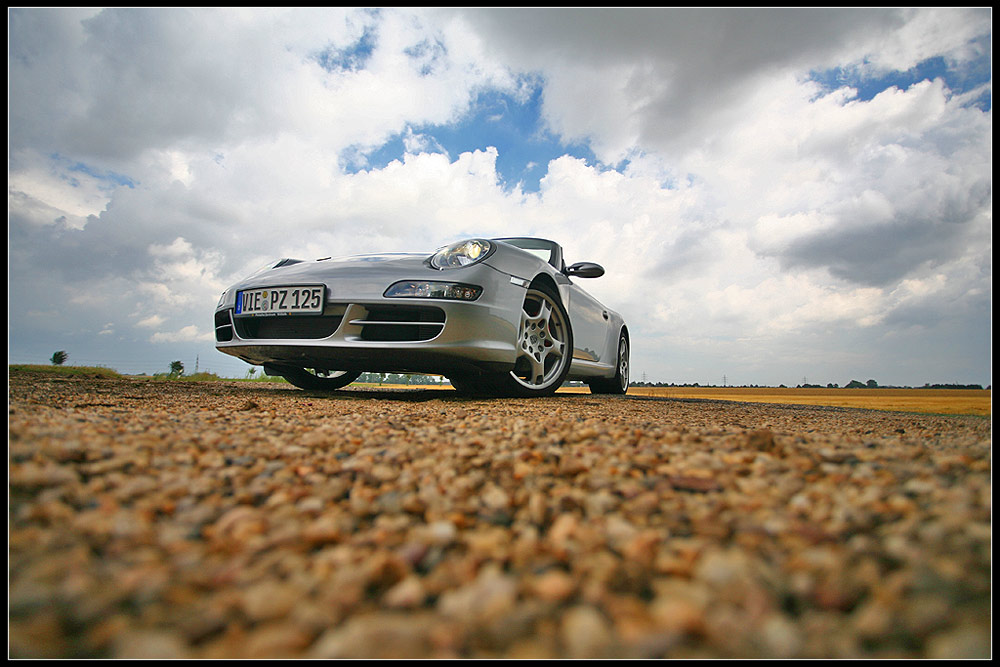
(356, 265)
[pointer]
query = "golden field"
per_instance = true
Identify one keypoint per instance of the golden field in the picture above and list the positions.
(931, 401)
(935, 401)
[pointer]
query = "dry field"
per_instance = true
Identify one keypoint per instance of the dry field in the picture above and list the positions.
(929, 401)
(232, 520)
(932, 401)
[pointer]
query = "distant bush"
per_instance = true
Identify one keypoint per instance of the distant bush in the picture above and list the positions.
(952, 386)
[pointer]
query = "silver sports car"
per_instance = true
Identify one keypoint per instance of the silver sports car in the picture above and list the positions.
(497, 317)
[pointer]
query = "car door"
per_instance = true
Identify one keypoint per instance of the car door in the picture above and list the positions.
(590, 320)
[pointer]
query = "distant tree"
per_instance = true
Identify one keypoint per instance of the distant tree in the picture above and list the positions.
(59, 358)
(176, 368)
(372, 378)
(871, 384)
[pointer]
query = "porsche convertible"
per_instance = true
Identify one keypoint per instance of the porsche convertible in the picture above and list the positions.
(495, 316)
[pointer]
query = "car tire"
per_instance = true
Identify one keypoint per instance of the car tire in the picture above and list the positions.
(619, 383)
(313, 380)
(544, 348)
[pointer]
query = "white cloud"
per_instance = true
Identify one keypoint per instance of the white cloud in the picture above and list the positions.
(928, 33)
(179, 277)
(667, 78)
(151, 322)
(188, 334)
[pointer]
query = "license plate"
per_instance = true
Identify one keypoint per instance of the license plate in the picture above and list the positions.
(269, 301)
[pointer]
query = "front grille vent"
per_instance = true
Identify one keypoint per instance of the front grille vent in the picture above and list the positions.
(289, 326)
(223, 327)
(400, 323)
(368, 322)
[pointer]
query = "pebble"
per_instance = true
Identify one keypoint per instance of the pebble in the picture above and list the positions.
(407, 594)
(585, 634)
(553, 586)
(158, 520)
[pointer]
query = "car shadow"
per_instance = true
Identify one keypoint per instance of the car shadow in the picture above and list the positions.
(403, 394)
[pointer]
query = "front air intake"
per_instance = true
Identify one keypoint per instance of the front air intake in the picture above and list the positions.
(400, 323)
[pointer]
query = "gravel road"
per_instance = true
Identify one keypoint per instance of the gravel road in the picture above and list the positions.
(246, 520)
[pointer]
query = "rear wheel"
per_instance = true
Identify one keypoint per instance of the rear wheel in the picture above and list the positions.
(317, 379)
(619, 383)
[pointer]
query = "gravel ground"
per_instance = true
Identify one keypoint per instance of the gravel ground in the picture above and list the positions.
(237, 520)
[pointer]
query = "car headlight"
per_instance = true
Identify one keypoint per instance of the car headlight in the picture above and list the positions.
(461, 254)
(429, 289)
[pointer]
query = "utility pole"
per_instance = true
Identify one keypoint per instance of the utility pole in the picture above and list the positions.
(724, 380)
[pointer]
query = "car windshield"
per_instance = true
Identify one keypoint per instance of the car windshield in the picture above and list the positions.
(547, 251)
(541, 253)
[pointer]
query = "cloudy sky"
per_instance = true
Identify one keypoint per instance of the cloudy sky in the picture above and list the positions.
(778, 196)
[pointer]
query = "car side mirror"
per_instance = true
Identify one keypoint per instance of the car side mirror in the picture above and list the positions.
(585, 270)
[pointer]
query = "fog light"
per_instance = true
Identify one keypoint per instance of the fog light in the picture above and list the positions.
(428, 289)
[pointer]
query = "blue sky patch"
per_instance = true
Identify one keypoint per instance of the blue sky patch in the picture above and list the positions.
(109, 178)
(352, 58)
(427, 55)
(970, 76)
(495, 118)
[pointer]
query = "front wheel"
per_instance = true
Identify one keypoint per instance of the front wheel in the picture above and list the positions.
(317, 379)
(619, 383)
(544, 348)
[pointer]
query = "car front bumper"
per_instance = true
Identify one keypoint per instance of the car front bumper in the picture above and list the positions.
(378, 334)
